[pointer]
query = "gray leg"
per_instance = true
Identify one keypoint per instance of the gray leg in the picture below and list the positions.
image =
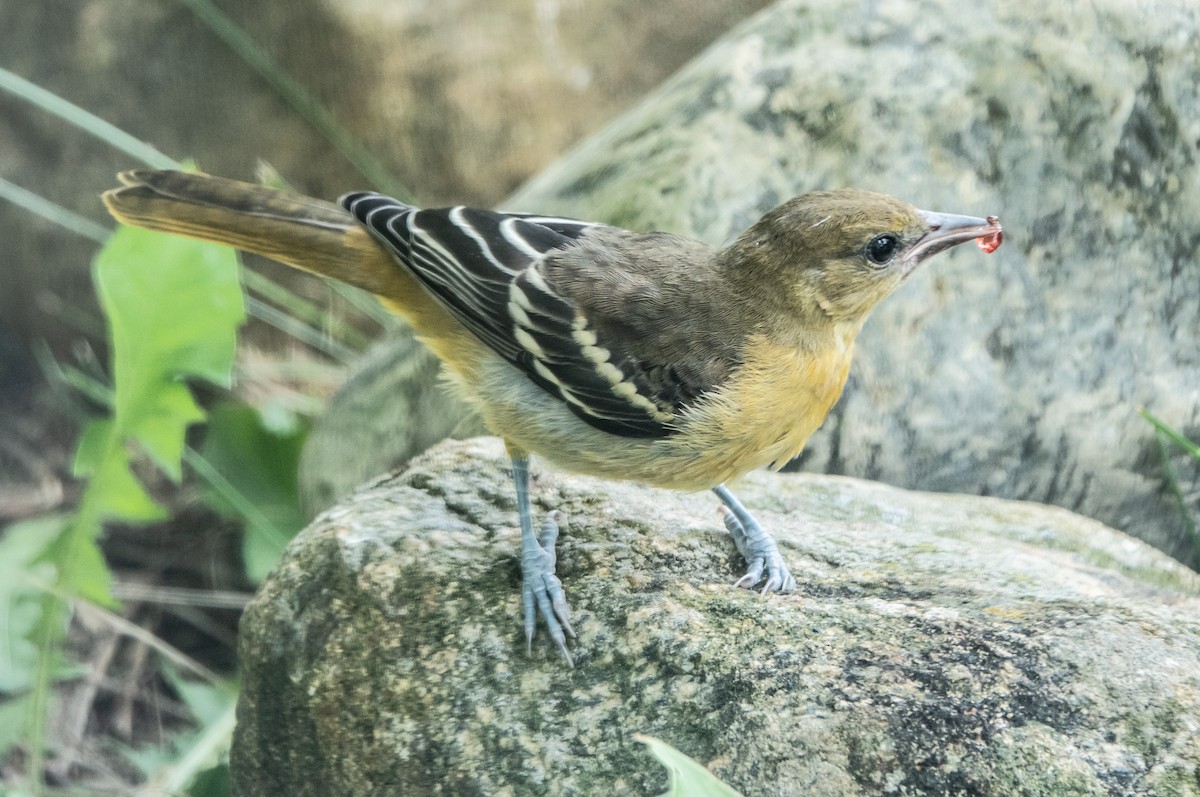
(756, 546)
(540, 588)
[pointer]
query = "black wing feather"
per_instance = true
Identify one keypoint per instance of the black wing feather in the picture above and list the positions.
(483, 267)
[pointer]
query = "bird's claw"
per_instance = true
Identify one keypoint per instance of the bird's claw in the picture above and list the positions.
(761, 554)
(542, 592)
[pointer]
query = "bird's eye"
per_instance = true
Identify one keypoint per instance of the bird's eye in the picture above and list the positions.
(882, 248)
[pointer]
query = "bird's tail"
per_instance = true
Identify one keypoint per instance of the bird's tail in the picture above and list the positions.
(303, 232)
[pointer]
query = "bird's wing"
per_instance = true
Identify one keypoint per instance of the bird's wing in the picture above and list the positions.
(483, 266)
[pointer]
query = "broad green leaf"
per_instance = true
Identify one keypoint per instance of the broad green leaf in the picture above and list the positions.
(260, 462)
(115, 493)
(82, 570)
(262, 546)
(173, 306)
(688, 778)
(159, 433)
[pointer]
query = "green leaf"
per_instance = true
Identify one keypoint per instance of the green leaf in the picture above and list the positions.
(174, 306)
(160, 433)
(258, 456)
(688, 778)
(82, 570)
(115, 493)
(208, 702)
(191, 757)
(21, 546)
(262, 547)
(213, 782)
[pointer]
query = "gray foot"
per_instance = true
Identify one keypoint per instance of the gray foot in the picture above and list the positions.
(756, 546)
(541, 590)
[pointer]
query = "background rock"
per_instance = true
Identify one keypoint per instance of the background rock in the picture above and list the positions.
(1019, 374)
(935, 645)
(393, 394)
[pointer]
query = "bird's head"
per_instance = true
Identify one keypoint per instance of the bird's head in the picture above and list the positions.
(837, 254)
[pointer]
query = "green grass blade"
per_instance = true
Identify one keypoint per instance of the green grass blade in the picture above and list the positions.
(40, 206)
(113, 135)
(84, 383)
(260, 525)
(298, 307)
(1164, 432)
(299, 330)
(366, 304)
(1172, 434)
(1172, 479)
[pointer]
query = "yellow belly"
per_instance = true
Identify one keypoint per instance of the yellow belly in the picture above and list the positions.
(762, 416)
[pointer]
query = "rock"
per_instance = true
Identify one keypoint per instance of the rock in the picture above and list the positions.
(471, 97)
(390, 409)
(935, 645)
(1016, 375)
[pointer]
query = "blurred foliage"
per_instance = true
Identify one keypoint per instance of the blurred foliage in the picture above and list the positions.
(173, 307)
(256, 462)
(1165, 435)
(26, 576)
(196, 761)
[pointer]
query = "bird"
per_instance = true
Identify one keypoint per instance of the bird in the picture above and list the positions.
(643, 356)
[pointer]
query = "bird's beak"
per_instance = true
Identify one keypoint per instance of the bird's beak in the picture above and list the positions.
(945, 230)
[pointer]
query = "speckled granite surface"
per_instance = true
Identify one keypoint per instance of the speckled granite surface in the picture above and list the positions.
(934, 645)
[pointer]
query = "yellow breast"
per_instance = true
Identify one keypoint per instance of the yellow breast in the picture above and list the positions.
(765, 413)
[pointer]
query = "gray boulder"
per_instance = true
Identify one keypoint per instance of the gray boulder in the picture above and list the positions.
(1019, 374)
(934, 645)
(391, 408)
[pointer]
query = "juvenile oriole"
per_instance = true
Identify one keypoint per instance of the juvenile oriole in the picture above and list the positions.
(642, 356)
